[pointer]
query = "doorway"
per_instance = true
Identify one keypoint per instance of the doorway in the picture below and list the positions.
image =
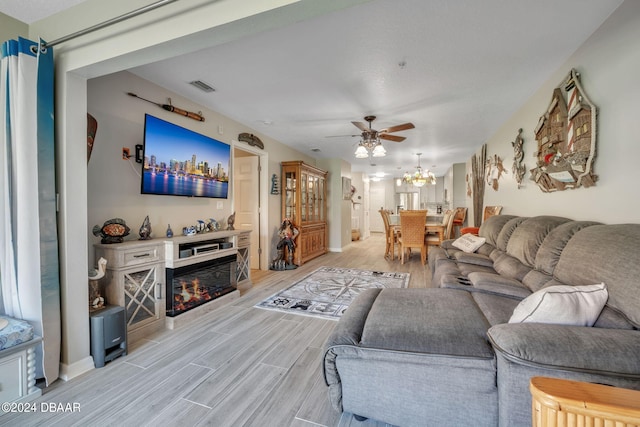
(249, 200)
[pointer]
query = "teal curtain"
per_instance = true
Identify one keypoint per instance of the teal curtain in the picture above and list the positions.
(29, 269)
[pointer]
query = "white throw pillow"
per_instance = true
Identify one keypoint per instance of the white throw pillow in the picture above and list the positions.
(562, 305)
(469, 243)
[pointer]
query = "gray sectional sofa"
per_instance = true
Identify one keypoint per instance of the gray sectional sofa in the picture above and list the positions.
(448, 356)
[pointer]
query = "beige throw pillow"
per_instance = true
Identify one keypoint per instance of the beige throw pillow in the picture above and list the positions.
(469, 243)
(562, 305)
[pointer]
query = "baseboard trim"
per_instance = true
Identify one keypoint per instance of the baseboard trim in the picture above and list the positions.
(335, 249)
(68, 372)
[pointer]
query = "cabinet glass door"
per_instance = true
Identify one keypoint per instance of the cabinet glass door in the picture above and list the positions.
(321, 199)
(290, 196)
(304, 194)
(316, 204)
(141, 304)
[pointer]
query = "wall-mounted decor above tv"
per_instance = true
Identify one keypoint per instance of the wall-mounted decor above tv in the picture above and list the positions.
(180, 162)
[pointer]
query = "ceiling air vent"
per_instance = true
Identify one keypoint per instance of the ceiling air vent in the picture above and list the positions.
(202, 86)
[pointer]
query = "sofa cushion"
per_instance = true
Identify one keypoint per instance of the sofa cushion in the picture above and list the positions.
(473, 258)
(574, 348)
(509, 266)
(497, 284)
(490, 229)
(433, 326)
(505, 234)
(15, 331)
(562, 305)
(496, 308)
(553, 245)
(606, 253)
(468, 243)
(536, 280)
(529, 235)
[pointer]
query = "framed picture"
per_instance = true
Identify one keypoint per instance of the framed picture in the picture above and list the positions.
(346, 188)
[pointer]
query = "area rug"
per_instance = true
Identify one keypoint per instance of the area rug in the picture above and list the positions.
(328, 291)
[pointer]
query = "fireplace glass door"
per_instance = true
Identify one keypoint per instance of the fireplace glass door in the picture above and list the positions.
(193, 285)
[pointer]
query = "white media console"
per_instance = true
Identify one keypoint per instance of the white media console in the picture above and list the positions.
(136, 278)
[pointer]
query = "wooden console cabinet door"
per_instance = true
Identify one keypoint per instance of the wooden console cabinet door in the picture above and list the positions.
(304, 202)
(566, 403)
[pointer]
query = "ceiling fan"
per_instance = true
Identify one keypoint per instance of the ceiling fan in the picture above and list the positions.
(369, 133)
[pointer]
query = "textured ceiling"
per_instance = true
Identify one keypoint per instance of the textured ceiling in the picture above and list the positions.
(456, 69)
(30, 11)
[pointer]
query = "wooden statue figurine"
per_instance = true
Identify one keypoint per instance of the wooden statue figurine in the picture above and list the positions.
(288, 233)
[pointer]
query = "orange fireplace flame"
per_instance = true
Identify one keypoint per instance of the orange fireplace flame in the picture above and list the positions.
(191, 293)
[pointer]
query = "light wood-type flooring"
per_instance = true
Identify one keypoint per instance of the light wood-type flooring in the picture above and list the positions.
(234, 366)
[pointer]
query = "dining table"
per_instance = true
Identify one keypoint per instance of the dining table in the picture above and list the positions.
(430, 227)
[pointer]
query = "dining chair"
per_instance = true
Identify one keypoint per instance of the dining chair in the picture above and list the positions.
(391, 236)
(436, 239)
(412, 231)
(489, 211)
(460, 215)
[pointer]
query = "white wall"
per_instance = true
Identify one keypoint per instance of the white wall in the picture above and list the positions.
(12, 28)
(608, 63)
(338, 210)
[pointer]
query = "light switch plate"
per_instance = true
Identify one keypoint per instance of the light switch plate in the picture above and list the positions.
(220, 205)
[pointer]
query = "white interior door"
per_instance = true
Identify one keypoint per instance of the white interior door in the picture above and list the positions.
(246, 195)
(376, 201)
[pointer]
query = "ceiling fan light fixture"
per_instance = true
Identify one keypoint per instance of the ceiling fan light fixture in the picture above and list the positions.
(361, 152)
(379, 151)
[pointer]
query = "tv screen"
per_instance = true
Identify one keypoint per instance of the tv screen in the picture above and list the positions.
(181, 162)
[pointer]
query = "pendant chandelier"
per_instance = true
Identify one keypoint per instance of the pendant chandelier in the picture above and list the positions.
(420, 177)
(370, 145)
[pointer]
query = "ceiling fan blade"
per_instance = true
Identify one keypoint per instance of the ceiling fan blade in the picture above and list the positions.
(391, 137)
(398, 128)
(363, 127)
(340, 136)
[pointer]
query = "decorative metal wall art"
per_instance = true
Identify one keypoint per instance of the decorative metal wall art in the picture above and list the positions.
(566, 136)
(275, 189)
(518, 167)
(494, 171)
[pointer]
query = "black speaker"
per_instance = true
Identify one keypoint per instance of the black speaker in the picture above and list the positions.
(108, 334)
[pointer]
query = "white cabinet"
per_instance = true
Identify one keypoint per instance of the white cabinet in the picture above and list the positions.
(18, 372)
(135, 280)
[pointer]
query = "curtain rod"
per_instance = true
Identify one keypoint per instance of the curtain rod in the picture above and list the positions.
(115, 20)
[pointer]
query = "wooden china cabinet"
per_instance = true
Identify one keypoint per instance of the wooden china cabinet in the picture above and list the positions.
(304, 202)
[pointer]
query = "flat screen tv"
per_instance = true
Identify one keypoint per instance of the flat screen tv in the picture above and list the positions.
(180, 162)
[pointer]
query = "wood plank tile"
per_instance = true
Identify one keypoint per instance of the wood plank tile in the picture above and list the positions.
(235, 405)
(214, 363)
(282, 404)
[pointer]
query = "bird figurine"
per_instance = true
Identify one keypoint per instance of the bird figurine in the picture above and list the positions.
(96, 300)
(99, 273)
(145, 229)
